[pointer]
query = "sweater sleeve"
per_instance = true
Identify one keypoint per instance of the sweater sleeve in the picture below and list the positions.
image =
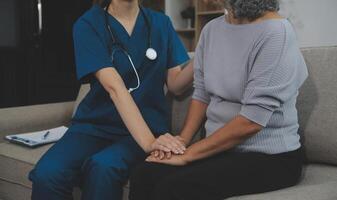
(275, 76)
(200, 92)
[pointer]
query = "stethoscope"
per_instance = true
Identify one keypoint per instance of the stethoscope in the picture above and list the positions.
(151, 53)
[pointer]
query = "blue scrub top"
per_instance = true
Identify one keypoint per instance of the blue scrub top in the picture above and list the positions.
(92, 40)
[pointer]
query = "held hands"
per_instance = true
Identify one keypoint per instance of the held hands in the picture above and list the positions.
(169, 144)
(175, 156)
(175, 160)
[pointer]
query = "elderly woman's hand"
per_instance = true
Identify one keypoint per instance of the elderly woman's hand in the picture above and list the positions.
(175, 160)
(168, 143)
(161, 154)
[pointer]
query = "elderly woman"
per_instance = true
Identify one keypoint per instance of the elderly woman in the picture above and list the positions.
(248, 70)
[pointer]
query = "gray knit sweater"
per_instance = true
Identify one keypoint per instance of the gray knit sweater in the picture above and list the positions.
(253, 70)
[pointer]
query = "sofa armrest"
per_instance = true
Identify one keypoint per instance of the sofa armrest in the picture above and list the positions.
(34, 118)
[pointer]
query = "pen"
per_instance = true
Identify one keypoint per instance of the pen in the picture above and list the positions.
(46, 135)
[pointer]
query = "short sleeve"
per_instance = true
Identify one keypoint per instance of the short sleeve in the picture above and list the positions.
(200, 92)
(177, 54)
(275, 77)
(91, 54)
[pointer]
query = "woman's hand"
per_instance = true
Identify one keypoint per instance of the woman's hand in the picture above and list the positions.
(161, 154)
(168, 143)
(175, 160)
(182, 140)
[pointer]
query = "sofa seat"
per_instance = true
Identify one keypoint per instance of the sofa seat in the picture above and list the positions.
(318, 181)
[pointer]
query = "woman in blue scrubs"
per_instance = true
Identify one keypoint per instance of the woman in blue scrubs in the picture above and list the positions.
(118, 122)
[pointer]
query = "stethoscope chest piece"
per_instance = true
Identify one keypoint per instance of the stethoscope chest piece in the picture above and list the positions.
(151, 54)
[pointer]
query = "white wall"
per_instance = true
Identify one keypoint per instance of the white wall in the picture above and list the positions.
(173, 9)
(315, 21)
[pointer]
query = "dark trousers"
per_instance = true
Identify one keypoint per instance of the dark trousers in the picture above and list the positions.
(218, 177)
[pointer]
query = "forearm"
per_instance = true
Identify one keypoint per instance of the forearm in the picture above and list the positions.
(126, 107)
(225, 138)
(195, 118)
(179, 80)
(132, 118)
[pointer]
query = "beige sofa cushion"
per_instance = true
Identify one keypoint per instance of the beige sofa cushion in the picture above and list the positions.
(17, 161)
(81, 94)
(13, 191)
(317, 105)
(34, 118)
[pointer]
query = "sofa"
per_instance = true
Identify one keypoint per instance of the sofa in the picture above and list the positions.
(317, 106)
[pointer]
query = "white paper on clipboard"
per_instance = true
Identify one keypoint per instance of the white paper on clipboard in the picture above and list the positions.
(38, 138)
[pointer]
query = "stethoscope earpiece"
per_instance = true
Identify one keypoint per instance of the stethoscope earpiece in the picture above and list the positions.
(151, 54)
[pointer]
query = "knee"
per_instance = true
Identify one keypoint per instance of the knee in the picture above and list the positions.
(115, 170)
(46, 176)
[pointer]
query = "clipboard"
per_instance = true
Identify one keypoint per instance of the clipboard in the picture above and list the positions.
(38, 138)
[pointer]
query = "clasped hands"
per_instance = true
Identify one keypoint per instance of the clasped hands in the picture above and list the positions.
(168, 149)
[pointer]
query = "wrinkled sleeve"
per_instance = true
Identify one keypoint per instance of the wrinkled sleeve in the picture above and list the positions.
(275, 77)
(200, 92)
(91, 54)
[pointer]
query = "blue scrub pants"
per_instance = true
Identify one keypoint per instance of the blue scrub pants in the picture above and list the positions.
(99, 166)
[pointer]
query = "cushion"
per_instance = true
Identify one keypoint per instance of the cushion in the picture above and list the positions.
(317, 105)
(81, 94)
(34, 118)
(17, 161)
(13, 191)
(319, 182)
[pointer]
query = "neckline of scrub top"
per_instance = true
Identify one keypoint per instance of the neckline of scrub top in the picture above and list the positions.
(125, 32)
(125, 39)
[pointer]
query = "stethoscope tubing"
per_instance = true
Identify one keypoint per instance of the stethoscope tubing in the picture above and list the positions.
(124, 50)
(133, 67)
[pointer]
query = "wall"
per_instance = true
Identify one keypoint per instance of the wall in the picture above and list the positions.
(315, 21)
(8, 24)
(173, 9)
